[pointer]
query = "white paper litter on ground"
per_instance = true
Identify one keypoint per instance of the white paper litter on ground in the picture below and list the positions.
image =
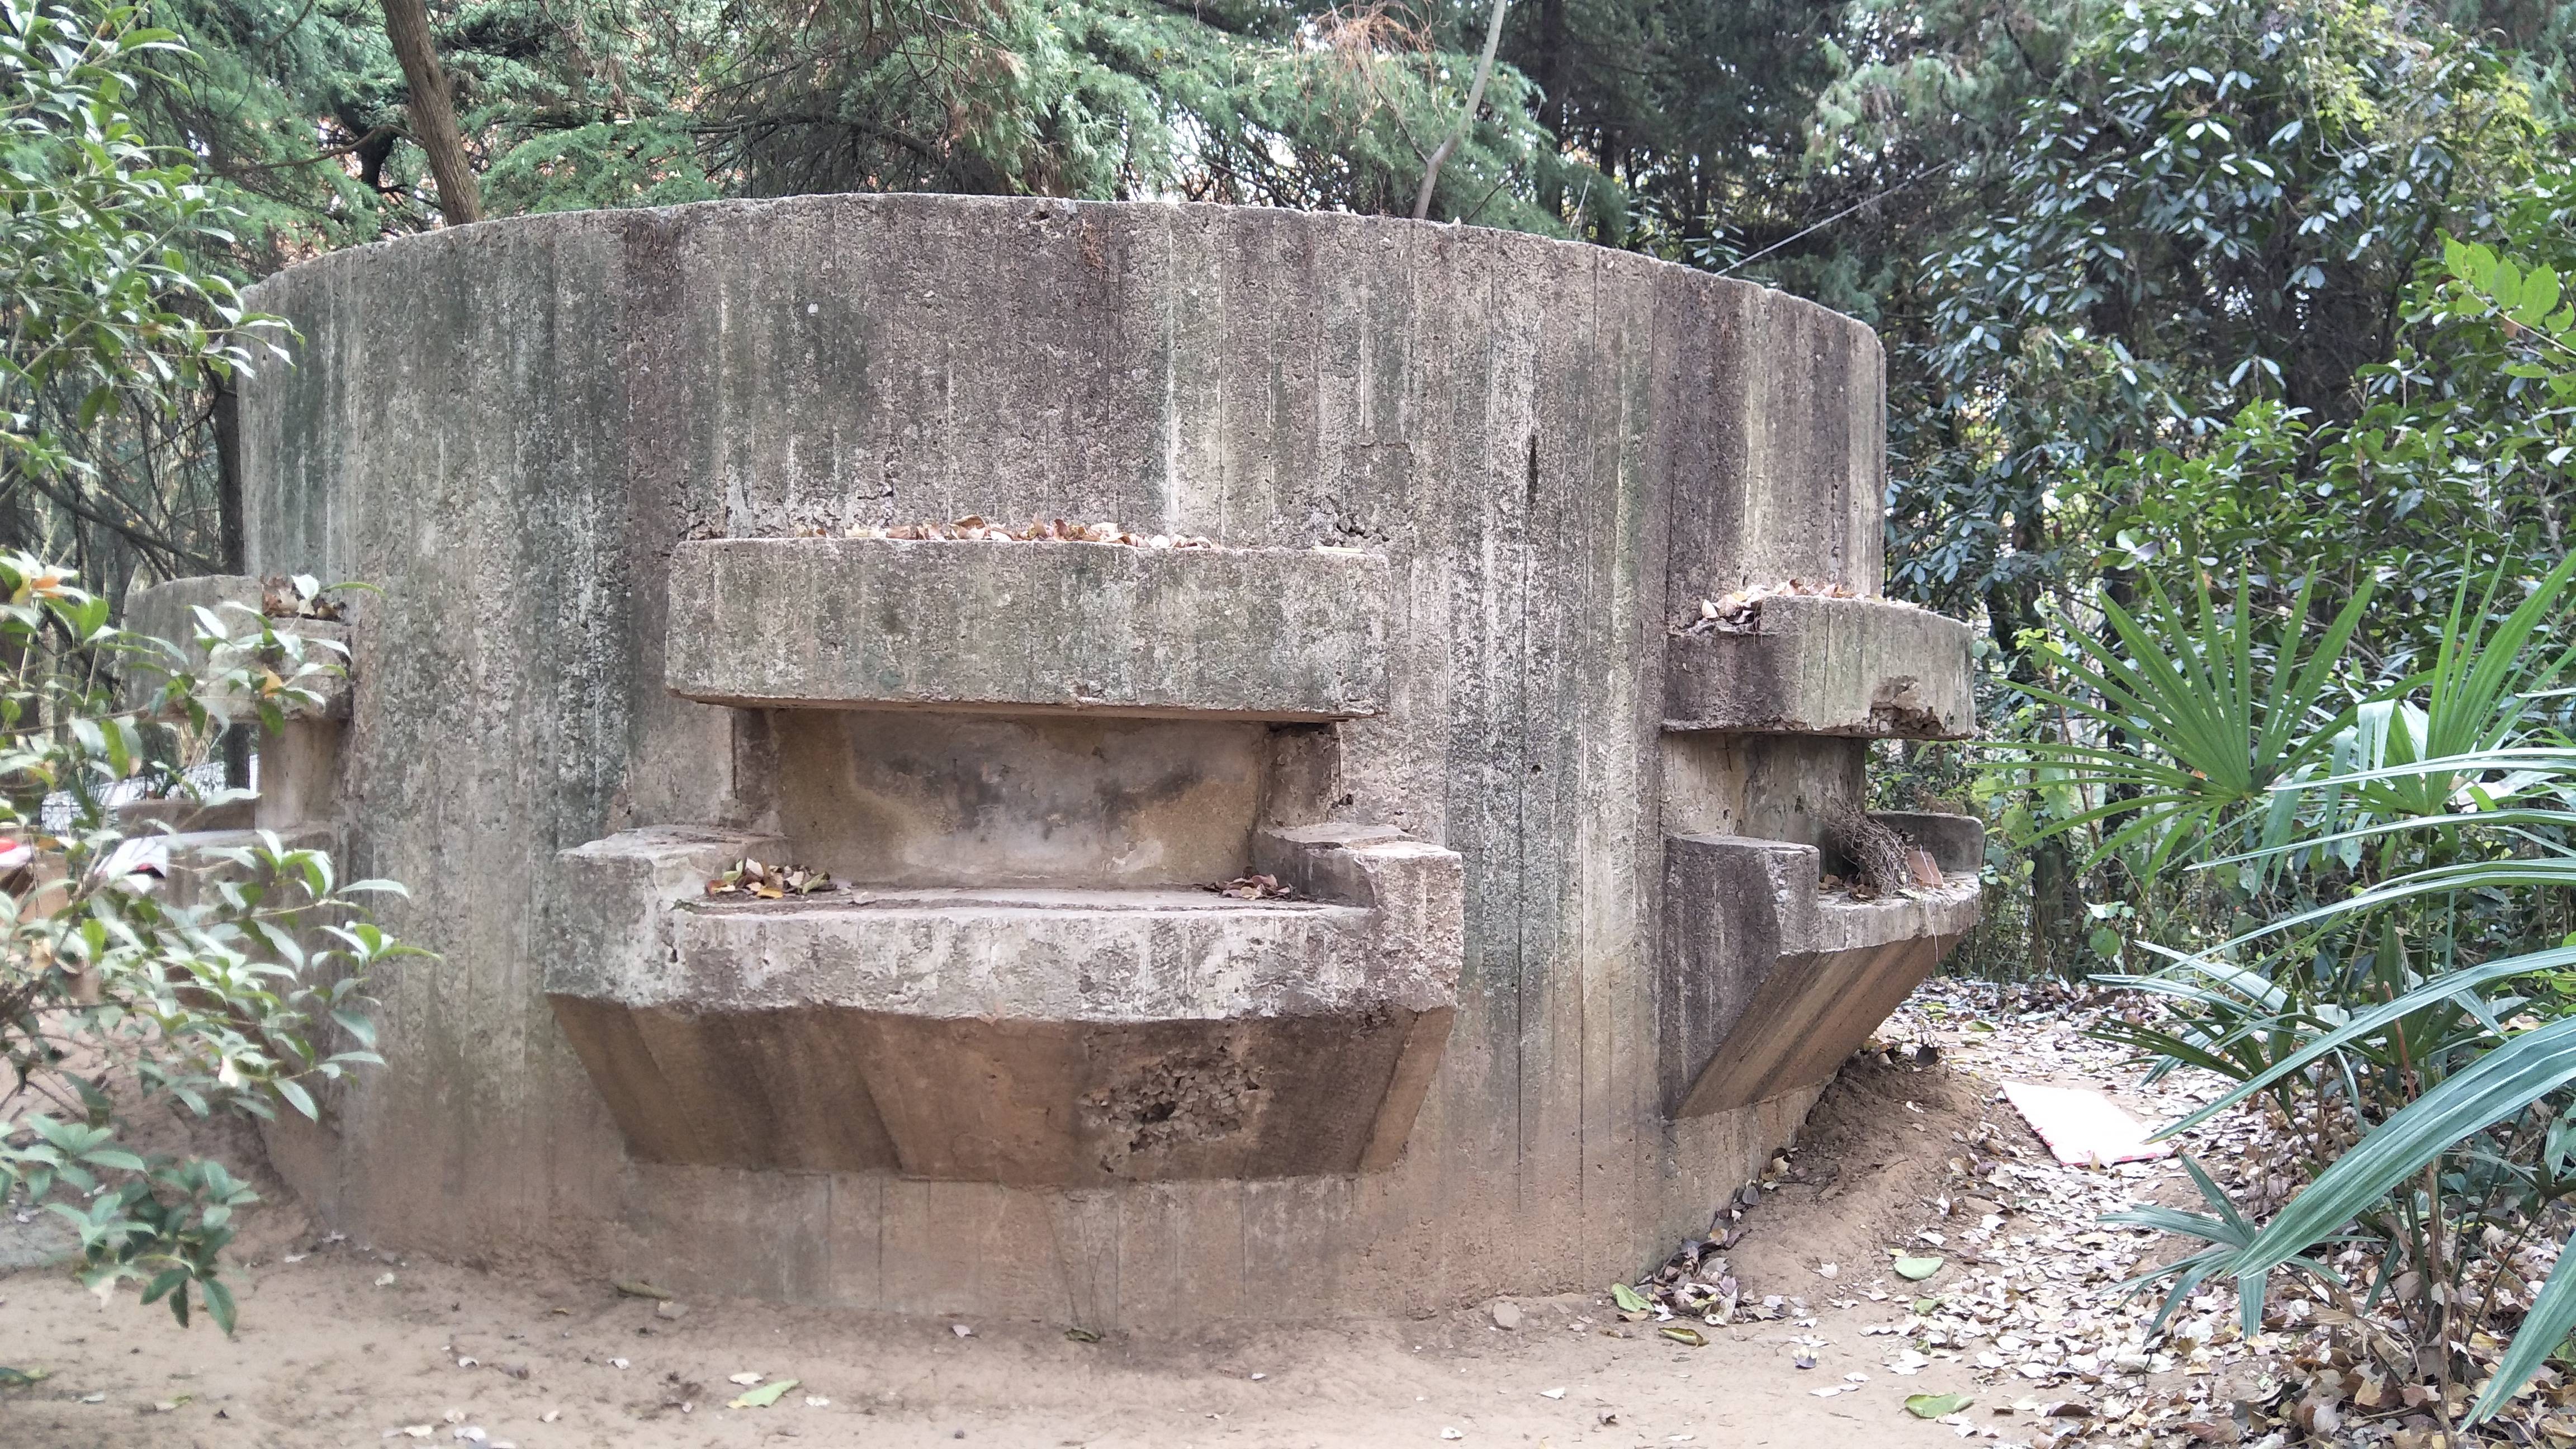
(2082, 1127)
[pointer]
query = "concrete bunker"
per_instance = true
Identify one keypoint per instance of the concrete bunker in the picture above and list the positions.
(1554, 970)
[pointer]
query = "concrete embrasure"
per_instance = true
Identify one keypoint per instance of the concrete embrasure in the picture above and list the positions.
(1023, 1035)
(175, 814)
(1824, 666)
(1284, 634)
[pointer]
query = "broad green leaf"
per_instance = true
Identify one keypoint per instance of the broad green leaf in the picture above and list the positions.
(2539, 297)
(162, 1283)
(762, 1397)
(219, 1304)
(1934, 1406)
(2504, 1082)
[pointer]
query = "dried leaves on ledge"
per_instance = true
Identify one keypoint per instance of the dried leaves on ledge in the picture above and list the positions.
(300, 597)
(1252, 888)
(1876, 854)
(754, 880)
(1882, 862)
(974, 528)
(1740, 611)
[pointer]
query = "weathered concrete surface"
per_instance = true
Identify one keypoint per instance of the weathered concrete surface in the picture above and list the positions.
(1765, 787)
(511, 427)
(176, 814)
(929, 799)
(36, 1240)
(1097, 627)
(168, 612)
(299, 762)
(1769, 983)
(1956, 842)
(1028, 1035)
(1813, 665)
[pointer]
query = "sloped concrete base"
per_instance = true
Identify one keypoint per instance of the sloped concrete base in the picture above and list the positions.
(1769, 984)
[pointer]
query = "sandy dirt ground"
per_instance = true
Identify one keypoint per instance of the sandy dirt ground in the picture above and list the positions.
(332, 1353)
(326, 1358)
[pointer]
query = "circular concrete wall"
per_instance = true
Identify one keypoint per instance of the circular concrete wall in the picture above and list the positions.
(1558, 450)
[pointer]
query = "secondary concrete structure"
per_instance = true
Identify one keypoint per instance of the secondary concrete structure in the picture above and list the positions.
(1553, 974)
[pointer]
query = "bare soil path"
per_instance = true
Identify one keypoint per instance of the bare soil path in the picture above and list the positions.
(330, 1353)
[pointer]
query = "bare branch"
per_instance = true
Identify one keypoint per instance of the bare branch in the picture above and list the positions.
(1467, 117)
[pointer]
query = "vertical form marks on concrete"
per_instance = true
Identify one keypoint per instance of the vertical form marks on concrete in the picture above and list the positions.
(1793, 470)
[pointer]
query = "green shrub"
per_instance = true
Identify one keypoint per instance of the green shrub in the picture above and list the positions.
(116, 994)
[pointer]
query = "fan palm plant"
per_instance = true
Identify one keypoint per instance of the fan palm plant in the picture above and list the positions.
(2481, 1074)
(2182, 721)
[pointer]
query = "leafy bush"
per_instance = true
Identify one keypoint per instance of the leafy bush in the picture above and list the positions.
(2353, 842)
(2456, 1140)
(143, 970)
(107, 326)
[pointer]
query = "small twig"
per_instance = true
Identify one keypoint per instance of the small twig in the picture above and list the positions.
(1829, 221)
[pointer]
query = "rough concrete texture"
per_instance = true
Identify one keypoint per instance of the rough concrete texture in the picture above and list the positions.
(176, 814)
(1101, 627)
(1769, 981)
(1018, 1035)
(928, 799)
(36, 1240)
(168, 612)
(1957, 843)
(1767, 787)
(1812, 665)
(512, 427)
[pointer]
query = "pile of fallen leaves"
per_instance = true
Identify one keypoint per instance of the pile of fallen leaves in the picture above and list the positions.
(300, 597)
(2013, 1296)
(1922, 872)
(974, 528)
(1252, 888)
(1740, 611)
(754, 880)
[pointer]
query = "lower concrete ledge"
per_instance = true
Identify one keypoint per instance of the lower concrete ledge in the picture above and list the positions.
(1768, 983)
(1013, 1034)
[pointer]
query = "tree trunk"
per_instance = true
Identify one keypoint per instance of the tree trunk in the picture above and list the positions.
(433, 110)
(236, 738)
(1553, 72)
